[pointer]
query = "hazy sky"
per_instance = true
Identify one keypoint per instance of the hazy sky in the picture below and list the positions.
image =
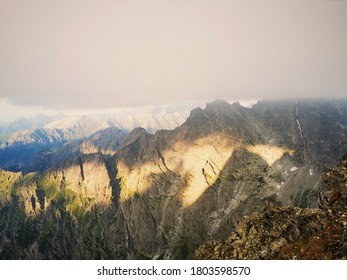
(108, 53)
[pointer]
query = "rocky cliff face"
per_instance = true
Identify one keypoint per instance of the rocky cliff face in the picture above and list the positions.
(223, 163)
(291, 233)
(162, 195)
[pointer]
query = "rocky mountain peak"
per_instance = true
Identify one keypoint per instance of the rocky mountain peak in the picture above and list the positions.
(217, 104)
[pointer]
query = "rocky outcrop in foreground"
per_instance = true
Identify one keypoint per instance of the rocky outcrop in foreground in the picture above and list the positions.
(290, 232)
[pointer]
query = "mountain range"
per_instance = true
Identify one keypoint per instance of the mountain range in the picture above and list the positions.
(94, 189)
(25, 138)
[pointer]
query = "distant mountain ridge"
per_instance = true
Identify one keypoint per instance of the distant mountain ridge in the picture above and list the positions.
(80, 126)
(37, 121)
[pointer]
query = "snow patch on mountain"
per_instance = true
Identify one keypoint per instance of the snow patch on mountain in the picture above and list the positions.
(293, 169)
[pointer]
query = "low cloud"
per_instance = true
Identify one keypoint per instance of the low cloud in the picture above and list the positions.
(108, 54)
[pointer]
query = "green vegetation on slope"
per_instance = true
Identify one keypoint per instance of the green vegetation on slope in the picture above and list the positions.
(42, 218)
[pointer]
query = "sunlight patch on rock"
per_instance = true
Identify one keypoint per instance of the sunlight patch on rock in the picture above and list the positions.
(269, 153)
(202, 161)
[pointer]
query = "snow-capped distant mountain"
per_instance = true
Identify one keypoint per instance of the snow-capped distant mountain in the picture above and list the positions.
(123, 119)
(10, 128)
(37, 121)
(151, 121)
(75, 127)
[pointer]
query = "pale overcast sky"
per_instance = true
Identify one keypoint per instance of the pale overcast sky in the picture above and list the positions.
(99, 54)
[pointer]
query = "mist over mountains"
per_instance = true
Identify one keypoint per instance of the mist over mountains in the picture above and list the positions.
(105, 188)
